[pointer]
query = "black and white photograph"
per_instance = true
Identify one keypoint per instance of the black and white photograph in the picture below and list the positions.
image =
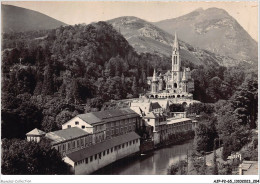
(129, 88)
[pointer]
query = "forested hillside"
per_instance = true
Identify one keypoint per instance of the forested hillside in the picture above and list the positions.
(50, 76)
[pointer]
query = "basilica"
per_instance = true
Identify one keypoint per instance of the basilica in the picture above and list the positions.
(175, 83)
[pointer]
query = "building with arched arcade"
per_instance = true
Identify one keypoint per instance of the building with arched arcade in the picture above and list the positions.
(175, 83)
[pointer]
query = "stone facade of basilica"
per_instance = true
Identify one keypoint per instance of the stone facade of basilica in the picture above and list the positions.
(175, 83)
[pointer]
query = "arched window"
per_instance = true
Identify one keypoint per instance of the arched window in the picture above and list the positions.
(175, 85)
(175, 59)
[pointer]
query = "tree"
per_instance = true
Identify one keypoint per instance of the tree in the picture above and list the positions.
(234, 77)
(25, 80)
(173, 169)
(178, 168)
(199, 108)
(63, 117)
(19, 117)
(244, 101)
(205, 134)
(75, 91)
(134, 88)
(48, 84)
(176, 108)
(233, 134)
(225, 169)
(214, 89)
(49, 124)
(21, 157)
(110, 69)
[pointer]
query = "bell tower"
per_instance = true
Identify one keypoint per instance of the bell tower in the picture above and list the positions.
(176, 63)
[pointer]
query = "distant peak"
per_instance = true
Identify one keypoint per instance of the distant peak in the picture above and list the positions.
(199, 9)
(129, 18)
(126, 18)
(214, 9)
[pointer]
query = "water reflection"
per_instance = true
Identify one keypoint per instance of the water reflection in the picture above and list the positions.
(156, 162)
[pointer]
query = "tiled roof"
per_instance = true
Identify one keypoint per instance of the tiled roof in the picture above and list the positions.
(156, 105)
(163, 103)
(115, 113)
(90, 118)
(108, 115)
(65, 134)
(100, 147)
(36, 131)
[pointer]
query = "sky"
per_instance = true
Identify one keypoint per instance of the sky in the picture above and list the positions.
(245, 12)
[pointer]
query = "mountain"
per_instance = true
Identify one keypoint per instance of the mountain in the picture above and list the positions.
(214, 30)
(16, 19)
(148, 38)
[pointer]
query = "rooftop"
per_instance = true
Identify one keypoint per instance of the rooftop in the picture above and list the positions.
(100, 147)
(144, 105)
(65, 134)
(162, 102)
(249, 167)
(108, 115)
(89, 118)
(137, 110)
(178, 120)
(36, 131)
(156, 105)
(151, 115)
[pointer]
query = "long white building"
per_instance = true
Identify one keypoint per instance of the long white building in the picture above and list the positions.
(90, 141)
(88, 160)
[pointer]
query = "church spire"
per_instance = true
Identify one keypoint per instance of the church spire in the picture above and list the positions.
(176, 43)
(154, 75)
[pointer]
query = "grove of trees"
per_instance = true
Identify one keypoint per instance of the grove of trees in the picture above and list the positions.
(20, 157)
(230, 122)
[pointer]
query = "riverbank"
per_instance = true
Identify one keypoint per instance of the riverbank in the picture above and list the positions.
(154, 162)
(177, 138)
(192, 170)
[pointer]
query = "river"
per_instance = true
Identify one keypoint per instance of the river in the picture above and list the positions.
(153, 163)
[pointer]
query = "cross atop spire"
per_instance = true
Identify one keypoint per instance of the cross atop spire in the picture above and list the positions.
(176, 43)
